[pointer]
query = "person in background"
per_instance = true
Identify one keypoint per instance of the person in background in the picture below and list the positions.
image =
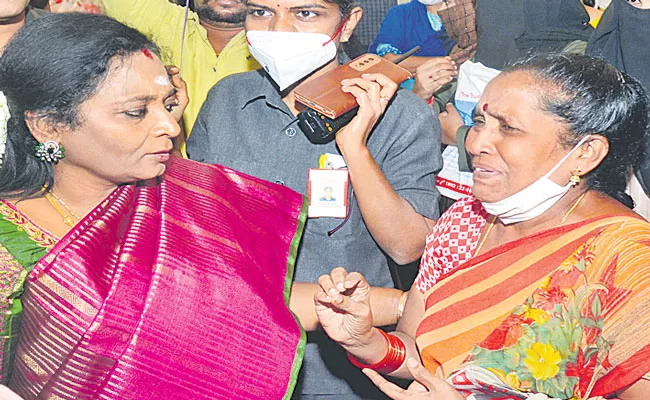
(249, 123)
(537, 285)
(620, 39)
(511, 29)
(445, 31)
(13, 16)
(374, 12)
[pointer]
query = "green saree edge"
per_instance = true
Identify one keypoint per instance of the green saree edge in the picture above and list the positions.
(27, 253)
(288, 282)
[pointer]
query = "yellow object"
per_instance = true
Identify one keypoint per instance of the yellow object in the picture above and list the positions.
(163, 23)
(594, 22)
(542, 360)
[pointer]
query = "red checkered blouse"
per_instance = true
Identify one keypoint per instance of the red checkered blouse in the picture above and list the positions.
(452, 241)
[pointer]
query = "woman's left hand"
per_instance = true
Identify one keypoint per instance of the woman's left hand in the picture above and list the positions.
(181, 92)
(424, 387)
(373, 93)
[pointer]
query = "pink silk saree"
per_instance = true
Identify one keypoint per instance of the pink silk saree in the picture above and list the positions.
(169, 290)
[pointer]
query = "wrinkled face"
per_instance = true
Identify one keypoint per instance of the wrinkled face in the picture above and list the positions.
(513, 142)
(222, 11)
(12, 8)
(314, 16)
(125, 129)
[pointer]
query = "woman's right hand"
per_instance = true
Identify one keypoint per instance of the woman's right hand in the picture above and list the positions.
(433, 75)
(343, 308)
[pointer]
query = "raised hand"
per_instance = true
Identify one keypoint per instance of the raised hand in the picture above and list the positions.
(373, 93)
(181, 91)
(433, 75)
(343, 307)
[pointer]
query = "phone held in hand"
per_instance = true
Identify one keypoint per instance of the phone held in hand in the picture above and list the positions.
(324, 93)
(329, 107)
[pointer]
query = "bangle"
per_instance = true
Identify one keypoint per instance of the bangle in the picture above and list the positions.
(393, 359)
(431, 100)
(401, 305)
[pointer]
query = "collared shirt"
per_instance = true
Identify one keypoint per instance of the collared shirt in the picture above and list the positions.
(245, 125)
(34, 13)
(163, 23)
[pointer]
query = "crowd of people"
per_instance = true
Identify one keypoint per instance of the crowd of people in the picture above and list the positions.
(160, 235)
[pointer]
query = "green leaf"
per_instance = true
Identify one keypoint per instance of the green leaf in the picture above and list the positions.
(588, 322)
(512, 358)
(596, 306)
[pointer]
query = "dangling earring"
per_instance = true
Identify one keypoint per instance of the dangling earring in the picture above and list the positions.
(575, 177)
(49, 151)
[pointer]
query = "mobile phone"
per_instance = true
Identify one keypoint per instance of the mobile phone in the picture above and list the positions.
(320, 129)
(324, 93)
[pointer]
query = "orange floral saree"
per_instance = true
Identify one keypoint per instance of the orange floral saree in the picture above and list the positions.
(564, 313)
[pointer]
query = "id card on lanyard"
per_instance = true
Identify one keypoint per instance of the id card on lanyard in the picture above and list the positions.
(327, 190)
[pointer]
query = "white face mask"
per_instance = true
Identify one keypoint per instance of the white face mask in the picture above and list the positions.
(290, 56)
(430, 2)
(532, 200)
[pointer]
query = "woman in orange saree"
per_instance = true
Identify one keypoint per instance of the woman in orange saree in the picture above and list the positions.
(536, 287)
(559, 312)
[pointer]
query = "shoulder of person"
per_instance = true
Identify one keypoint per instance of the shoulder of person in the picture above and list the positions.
(409, 119)
(400, 8)
(235, 86)
(409, 106)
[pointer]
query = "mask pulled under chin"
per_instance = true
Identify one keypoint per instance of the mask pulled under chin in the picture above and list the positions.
(290, 56)
(533, 200)
(430, 2)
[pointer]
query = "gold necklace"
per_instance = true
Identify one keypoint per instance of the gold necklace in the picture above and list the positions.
(573, 207)
(491, 223)
(69, 217)
(487, 232)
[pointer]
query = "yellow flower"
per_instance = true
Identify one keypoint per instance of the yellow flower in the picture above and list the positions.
(537, 315)
(542, 360)
(512, 380)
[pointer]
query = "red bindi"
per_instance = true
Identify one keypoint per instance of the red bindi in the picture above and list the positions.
(147, 53)
(485, 106)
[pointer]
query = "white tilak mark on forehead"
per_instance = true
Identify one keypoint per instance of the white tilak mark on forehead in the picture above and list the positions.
(163, 80)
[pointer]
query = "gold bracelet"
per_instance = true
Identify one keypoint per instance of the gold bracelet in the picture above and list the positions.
(401, 305)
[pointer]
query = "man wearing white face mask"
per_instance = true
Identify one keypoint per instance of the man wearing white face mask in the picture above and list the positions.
(249, 123)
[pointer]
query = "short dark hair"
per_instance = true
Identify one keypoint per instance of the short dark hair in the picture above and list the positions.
(345, 6)
(590, 96)
(52, 66)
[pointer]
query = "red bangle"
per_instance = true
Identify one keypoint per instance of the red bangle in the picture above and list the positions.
(431, 100)
(393, 359)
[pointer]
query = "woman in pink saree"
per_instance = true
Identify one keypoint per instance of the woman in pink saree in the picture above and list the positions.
(126, 273)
